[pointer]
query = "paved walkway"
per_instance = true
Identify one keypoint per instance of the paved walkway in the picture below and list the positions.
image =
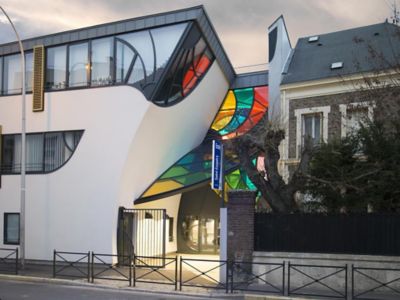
(42, 274)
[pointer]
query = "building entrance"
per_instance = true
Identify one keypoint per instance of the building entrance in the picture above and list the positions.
(198, 222)
(201, 234)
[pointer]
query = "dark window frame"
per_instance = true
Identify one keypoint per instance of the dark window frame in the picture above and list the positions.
(149, 93)
(5, 227)
(43, 170)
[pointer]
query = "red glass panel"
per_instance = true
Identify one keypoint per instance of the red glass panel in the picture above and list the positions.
(261, 94)
(193, 74)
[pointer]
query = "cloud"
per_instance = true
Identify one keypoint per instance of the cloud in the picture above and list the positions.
(241, 25)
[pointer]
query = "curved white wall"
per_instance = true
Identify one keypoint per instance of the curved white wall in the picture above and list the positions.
(127, 143)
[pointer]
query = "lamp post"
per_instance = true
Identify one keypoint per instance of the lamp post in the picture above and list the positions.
(23, 146)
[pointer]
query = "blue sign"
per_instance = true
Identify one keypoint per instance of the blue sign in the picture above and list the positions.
(217, 165)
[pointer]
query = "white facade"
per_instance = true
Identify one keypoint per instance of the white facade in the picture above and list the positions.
(127, 143)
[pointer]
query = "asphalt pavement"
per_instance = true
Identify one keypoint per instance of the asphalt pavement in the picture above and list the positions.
(17, 290)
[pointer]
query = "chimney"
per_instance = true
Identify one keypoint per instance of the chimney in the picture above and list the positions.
(279, 51)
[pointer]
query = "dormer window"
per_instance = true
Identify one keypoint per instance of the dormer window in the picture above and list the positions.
(337, 65)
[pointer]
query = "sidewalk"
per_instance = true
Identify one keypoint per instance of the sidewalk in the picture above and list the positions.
(43, 273)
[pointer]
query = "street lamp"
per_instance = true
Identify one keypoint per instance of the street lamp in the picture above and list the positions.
(23, 146)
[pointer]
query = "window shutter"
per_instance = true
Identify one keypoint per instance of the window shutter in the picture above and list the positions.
(38, 78)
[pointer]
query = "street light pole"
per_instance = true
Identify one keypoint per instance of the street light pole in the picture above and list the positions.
(23, 146)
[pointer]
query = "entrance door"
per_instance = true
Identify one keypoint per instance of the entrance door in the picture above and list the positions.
(201, 234)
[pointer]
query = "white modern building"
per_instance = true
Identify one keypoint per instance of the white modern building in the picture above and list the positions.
(119, 122)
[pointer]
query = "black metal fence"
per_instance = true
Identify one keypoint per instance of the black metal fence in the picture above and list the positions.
(373, 234)
(258, 277)
(308, 280)
(204, 273)
(9, 261)
(71, 264)
(145, 271)
(382, 283)
(106, 267)
(285, 278)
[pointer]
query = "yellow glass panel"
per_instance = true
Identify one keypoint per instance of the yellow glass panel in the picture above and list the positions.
(229, 102)
(226, 112)
(222, 120)
(161, 187)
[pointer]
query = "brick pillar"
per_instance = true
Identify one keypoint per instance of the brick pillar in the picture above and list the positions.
(240, 217)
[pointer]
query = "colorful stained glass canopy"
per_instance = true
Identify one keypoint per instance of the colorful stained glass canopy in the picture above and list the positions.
(241, 110)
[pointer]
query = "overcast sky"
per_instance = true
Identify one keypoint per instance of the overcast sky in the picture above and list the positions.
(240, 24)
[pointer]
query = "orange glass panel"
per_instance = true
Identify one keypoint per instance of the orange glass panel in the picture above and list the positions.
(193, 74)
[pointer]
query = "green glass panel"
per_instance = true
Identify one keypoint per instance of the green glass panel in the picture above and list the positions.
(175, 171)
(244, 96)
(233, 179)
(193, 178)
(187, 159)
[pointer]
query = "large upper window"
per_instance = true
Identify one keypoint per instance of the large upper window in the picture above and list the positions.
(101, 61)
(11, 228)
(45, 152)
(142, 57)
(78, 69)
(12, 83)
(56, 67)
(165, 63)
(191, 63)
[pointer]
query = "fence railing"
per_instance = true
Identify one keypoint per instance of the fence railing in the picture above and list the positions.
(258, 277)
(204, 273)
(382, 281)
(9, 260)
(71, 264)
(145, 271)
(104, 267)
(286, 278)
(332, 284)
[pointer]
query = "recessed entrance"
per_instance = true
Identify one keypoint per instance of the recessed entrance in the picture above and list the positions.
(198, 224)
(201, 234)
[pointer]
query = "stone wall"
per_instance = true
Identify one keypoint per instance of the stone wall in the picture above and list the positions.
(334, 117)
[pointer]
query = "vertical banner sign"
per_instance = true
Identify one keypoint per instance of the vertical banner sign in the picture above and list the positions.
(217, 165)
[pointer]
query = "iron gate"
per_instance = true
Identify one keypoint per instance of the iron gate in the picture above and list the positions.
(142, 232)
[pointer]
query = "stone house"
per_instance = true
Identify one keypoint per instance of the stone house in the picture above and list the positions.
(323, 91)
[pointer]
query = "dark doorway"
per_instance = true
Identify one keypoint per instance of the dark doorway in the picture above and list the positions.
(198, 221)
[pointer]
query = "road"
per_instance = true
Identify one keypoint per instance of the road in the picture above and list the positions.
(13, 290)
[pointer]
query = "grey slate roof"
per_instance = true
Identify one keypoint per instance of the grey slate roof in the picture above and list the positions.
(250, 79)
(312, 61)
(197, 14)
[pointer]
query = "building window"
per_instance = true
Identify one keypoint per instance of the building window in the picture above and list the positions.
(28, 71)
(191, 63)
(45, 152)
(11, 228)
(101, 62)
(56, 67)
(311, 123)
(12, 74)
(311, 129)
(353, 115)
(78, 69)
